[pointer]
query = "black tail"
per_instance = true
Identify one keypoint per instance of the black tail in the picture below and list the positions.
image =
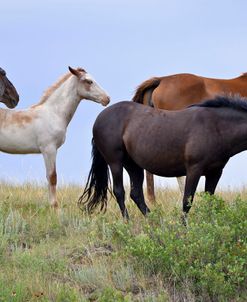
(95, 192)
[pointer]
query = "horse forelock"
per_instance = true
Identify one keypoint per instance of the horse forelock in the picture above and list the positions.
(234, 102)
(143, 87)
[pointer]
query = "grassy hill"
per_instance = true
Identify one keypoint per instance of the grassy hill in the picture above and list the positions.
(65, 255)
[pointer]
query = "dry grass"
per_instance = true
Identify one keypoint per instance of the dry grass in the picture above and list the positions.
(64, 255)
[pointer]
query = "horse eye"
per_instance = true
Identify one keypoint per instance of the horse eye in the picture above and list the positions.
(89, 82)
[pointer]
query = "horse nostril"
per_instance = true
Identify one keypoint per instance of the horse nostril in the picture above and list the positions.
(106, 101)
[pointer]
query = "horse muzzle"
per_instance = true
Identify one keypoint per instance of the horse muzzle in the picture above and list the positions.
(11, 102)
(105, 101)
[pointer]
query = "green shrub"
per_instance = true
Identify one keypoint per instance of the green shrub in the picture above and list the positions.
(112, 295)
(209, 255)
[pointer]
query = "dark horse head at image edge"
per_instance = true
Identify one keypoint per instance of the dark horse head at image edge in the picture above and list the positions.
(193, 142)
(8, 93)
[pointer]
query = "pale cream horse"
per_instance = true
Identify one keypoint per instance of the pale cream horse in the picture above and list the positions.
(42, 127)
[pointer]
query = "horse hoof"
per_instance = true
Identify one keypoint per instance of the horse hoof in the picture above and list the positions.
(184, 220)
(55, 205)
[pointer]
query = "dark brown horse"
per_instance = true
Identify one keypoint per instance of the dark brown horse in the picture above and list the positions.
(8, 93)
(178, 91)
(195, 141)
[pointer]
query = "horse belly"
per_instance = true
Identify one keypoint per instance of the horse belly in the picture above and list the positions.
(165, 169)
(21, 143)
(161, 162)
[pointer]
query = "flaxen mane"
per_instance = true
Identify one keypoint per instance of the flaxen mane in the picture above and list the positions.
(55, 86)
(235, 102)
(144, 87)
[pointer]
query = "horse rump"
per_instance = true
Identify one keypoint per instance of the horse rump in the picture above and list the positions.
(148, 85)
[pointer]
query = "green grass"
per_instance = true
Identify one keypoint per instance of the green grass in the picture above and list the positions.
(65, 255)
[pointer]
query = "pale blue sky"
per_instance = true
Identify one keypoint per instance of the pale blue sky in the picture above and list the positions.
(121, 43)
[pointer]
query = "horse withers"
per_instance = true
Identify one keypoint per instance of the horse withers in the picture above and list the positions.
(42, 127)
(176, 92)
(192, 142)
(8, 93)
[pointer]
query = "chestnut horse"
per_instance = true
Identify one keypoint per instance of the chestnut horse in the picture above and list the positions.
(8, 93)
(178, 91)
(42, 127)
(195, 141)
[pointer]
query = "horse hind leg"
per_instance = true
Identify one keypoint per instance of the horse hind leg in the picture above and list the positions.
(181, 184)
(136, 175)
(118, 188)
(150, 187)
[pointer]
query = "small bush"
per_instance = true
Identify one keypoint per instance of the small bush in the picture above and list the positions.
(209, 255)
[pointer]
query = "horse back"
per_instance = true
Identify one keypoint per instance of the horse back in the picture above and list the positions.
(178, 91)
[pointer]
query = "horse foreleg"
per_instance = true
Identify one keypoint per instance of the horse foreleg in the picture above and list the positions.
(192, 179)
(212, 180)
(51, 174)
(150, 187)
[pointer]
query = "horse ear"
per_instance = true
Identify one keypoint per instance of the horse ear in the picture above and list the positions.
(75, 72)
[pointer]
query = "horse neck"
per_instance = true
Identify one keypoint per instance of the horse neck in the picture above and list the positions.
(64, 100)
(237, 137)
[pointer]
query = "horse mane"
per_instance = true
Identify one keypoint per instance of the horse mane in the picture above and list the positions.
(143, 87)
(234, 102)
(48, 92)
